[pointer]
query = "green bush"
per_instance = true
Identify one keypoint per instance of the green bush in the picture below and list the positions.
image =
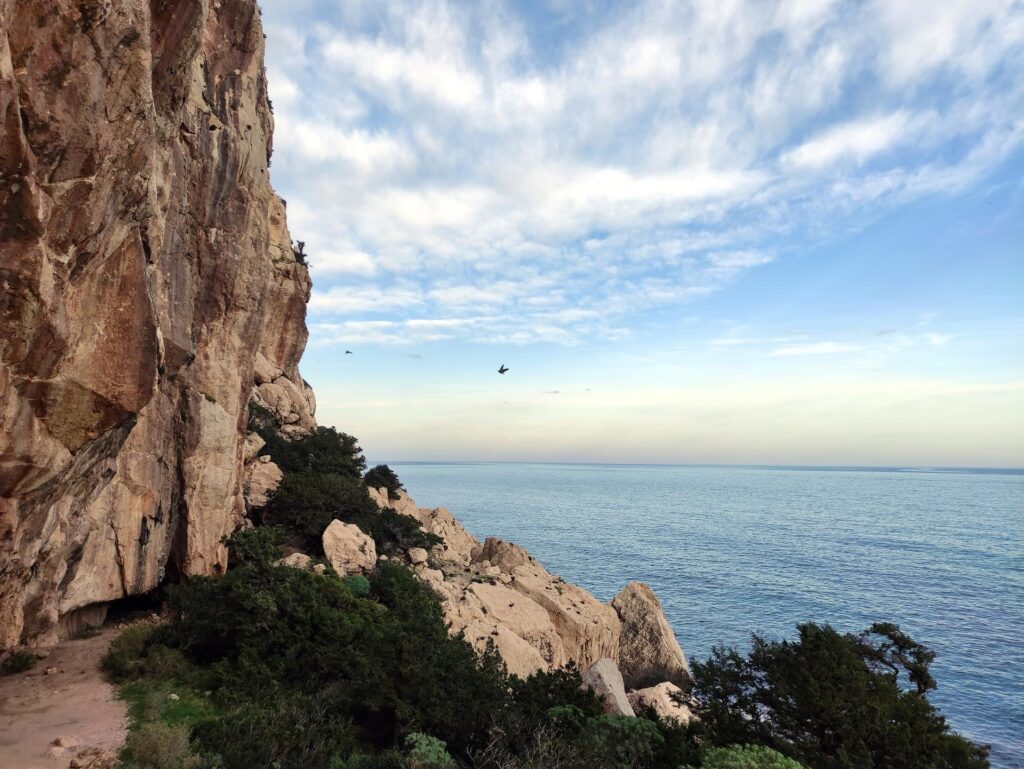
(324, 451)
(257, 546)
(748, 757)
(126, 656)
(159, 746)
(358, 584)
(305, 503)
(18, 661)
(832, 701)
(288, 731)
(426, 752)
(383, 476)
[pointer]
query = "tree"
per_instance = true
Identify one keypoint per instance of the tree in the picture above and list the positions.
(383, 476)
(832, 701)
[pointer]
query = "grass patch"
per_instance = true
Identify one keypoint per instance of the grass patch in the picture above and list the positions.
(150, 700)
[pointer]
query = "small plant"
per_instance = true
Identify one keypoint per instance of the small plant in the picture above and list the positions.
(158, 746)
(299, 249)
(358, 584)
(18, 662)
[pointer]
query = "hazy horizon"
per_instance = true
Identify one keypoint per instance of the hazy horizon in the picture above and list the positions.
(759, 233)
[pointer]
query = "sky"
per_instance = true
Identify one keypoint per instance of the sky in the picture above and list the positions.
(718, 231)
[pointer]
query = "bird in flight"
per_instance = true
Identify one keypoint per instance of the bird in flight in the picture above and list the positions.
(503, 369)
(348, 352)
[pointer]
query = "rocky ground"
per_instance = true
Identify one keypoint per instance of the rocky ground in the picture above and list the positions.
(61, 712)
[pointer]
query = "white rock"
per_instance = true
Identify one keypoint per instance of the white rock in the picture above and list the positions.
(296, 561)
(648, 649)
(417, 555)
(261, 478)
(349, 550)
(661, 699)
(604, 678)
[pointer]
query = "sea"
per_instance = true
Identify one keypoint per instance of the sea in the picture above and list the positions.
(732, 551)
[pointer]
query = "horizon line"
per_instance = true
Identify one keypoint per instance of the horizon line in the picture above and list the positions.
(901, 468)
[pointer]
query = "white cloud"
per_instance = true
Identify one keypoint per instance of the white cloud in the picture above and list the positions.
(816, 348)
(857, 140)
(444, 160)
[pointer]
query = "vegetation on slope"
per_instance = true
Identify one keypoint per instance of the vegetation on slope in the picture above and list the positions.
(282, 668)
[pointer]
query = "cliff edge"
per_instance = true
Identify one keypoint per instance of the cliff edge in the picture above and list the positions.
(147, 285)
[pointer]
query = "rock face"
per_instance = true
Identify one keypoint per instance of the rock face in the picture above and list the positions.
(148, 290)
(349, 550)
(649, 652)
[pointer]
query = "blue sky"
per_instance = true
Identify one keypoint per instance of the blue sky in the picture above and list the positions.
(728, 231)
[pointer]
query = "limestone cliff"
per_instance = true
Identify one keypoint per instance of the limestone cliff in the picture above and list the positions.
(147, 286)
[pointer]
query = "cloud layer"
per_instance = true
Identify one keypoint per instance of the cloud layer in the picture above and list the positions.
(494, 173)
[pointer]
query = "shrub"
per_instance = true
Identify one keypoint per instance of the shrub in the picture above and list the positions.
(358, 584)
(323, 451)
(125, 657)
(256, 546)
(159, 746)
(748, 757)
(426, 752)
(383, 476)
(305, 503)
(284, 732)
(832, 701)
(18, 661)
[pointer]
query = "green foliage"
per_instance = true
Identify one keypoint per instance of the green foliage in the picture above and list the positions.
(624, 741)
(125, 657)
(832, 701)
(261, 419)
(748, 757)
(383, 476)
(150, 699)
(305, 503)
(159, 746)
(324, 451)
(256, 546)
(18, 661)
(289, 731)
(358, 584)
(426, 752)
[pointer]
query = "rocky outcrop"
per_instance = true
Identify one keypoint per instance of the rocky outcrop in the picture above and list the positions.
(496, 593)
(606, 682)
(663, 699)
(348, 549)
(148, 291)
(649, 652)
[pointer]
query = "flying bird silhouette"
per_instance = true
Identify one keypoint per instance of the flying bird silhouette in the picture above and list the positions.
(503, 369)
(348, 352)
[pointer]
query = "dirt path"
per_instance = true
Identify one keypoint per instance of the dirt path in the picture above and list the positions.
(75, 702)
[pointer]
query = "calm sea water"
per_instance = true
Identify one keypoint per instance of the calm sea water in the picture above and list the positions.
(735, 550)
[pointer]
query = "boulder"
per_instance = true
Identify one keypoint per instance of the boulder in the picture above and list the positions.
(648, 650)
(662, 699)
(253, 443)
(604, 678)
(296, 561)
(261, 478)
(349, 550)
(417, 555)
